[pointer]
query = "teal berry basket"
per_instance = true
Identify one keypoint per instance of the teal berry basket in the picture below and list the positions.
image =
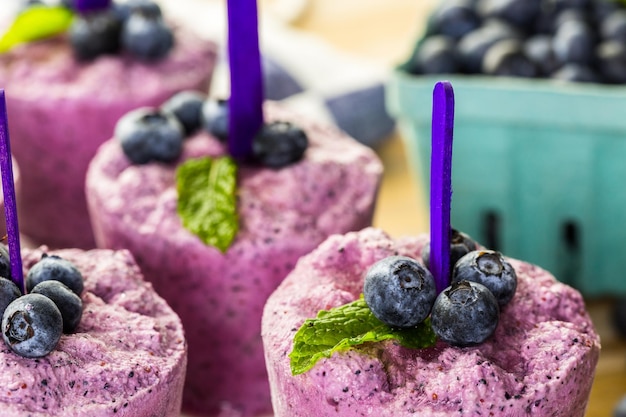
(538, 170)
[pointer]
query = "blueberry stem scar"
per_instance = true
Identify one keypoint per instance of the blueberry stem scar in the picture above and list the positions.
(441, 182)
(86, 6)
(8, 187)
(246, 80)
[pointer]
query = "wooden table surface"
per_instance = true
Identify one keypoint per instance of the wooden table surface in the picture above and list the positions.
(385, 31)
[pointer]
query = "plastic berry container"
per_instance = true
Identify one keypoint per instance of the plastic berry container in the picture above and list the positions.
(538, 169)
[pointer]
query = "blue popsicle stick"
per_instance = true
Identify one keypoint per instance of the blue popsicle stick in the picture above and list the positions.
(246, 81)
(441, 183)
(86, 6)
(8, 187)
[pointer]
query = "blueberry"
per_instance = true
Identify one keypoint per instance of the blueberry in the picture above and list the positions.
(539, 50)
(576, 73)
(53, 267)
(8, 293)
(454, 19)
(473, 46)
(570, 15)
(146, 38)
(95, 34)
(147, 134)
(521, 13)
(122, 10)
(145, 8)
(507, 58)
(69, 304)
(613, 27)
(544, 24)
(602, 10)
(465, 314)
(5, 262)
(399, 291)
(488, 268)
(32, 325)
(215, 118)
(460, 245)
(611, 56)
(560, 5)
(574, 42)
(187, 107)
(436, 55)
(279, 144)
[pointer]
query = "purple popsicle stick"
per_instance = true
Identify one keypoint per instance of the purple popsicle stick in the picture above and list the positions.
(86, 6)
(246, 80)
(8, 187)
(441, 183)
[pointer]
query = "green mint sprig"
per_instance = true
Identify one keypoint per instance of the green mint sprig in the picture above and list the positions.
(34, 23)
(346, 326)
(207, 202)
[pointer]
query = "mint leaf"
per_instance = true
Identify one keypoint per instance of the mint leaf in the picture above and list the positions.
(207, 203)
(36, 22)
(343, 327)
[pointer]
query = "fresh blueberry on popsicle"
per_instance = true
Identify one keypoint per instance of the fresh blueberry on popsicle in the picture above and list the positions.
(146, 38)
(279, 144)
(399, 291)
(490, 269)
(8, 293)
(5, 262)
(69, 304)
(95, 34)
(215, 118)
(146, 8)
(460, 245)
(187, 107)
(32, 325)
(147, 134)
(465, 314)
(53, 267)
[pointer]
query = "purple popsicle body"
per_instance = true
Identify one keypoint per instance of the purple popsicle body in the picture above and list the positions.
(540, 361)
(126, 358)
(62, 110)
(284, 213)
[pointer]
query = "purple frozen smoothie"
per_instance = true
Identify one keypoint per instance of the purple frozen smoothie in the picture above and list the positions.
(127, 357)
(540, 361)
(283, 213)
(61, 110)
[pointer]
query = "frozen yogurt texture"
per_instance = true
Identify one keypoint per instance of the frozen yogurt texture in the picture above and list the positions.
(540, 361)
(127, 357)
(283, 213)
